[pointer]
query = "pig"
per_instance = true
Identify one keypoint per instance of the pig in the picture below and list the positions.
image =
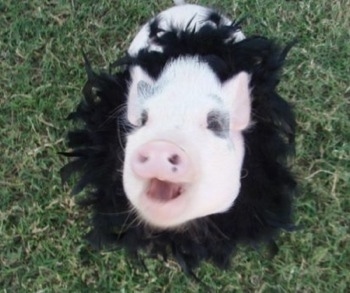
(187, 108)
(184, 145)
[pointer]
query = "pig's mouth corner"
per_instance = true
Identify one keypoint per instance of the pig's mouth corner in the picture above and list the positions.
(163, 191)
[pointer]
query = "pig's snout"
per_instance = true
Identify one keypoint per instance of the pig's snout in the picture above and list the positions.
(162, 160)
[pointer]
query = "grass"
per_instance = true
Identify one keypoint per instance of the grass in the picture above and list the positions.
(40, 83)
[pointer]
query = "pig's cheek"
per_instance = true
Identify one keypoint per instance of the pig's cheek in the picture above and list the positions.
(220, 182)
(218, 190)
(133, 187)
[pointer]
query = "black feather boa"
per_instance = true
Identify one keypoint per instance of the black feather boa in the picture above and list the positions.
(264, 204)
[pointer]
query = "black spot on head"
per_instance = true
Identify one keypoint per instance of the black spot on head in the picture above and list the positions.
(144, 118)
(154, 28)
(215, 18)
(218, 123)
(144, 89)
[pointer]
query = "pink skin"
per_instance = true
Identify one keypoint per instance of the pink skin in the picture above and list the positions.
(165, 165)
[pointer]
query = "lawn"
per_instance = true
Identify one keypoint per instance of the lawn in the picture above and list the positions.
(42, 74)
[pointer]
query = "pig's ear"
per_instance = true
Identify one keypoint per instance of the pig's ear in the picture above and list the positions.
(237, 93)
(141, 87)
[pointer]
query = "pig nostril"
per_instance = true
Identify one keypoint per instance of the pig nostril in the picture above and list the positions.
(143, 159)
(174, 159)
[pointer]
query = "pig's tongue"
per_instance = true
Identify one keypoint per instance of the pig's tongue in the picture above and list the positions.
(163, 190)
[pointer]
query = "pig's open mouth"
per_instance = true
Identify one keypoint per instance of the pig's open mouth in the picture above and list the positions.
(163, 190)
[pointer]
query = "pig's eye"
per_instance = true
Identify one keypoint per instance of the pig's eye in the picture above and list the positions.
(217, 123)
(144, 118)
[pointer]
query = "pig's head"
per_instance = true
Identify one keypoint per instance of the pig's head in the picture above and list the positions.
(183, 159)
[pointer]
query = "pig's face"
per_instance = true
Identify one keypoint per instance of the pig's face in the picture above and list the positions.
(183, 159)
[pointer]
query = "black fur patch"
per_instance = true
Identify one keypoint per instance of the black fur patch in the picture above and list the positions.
(264, 204)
